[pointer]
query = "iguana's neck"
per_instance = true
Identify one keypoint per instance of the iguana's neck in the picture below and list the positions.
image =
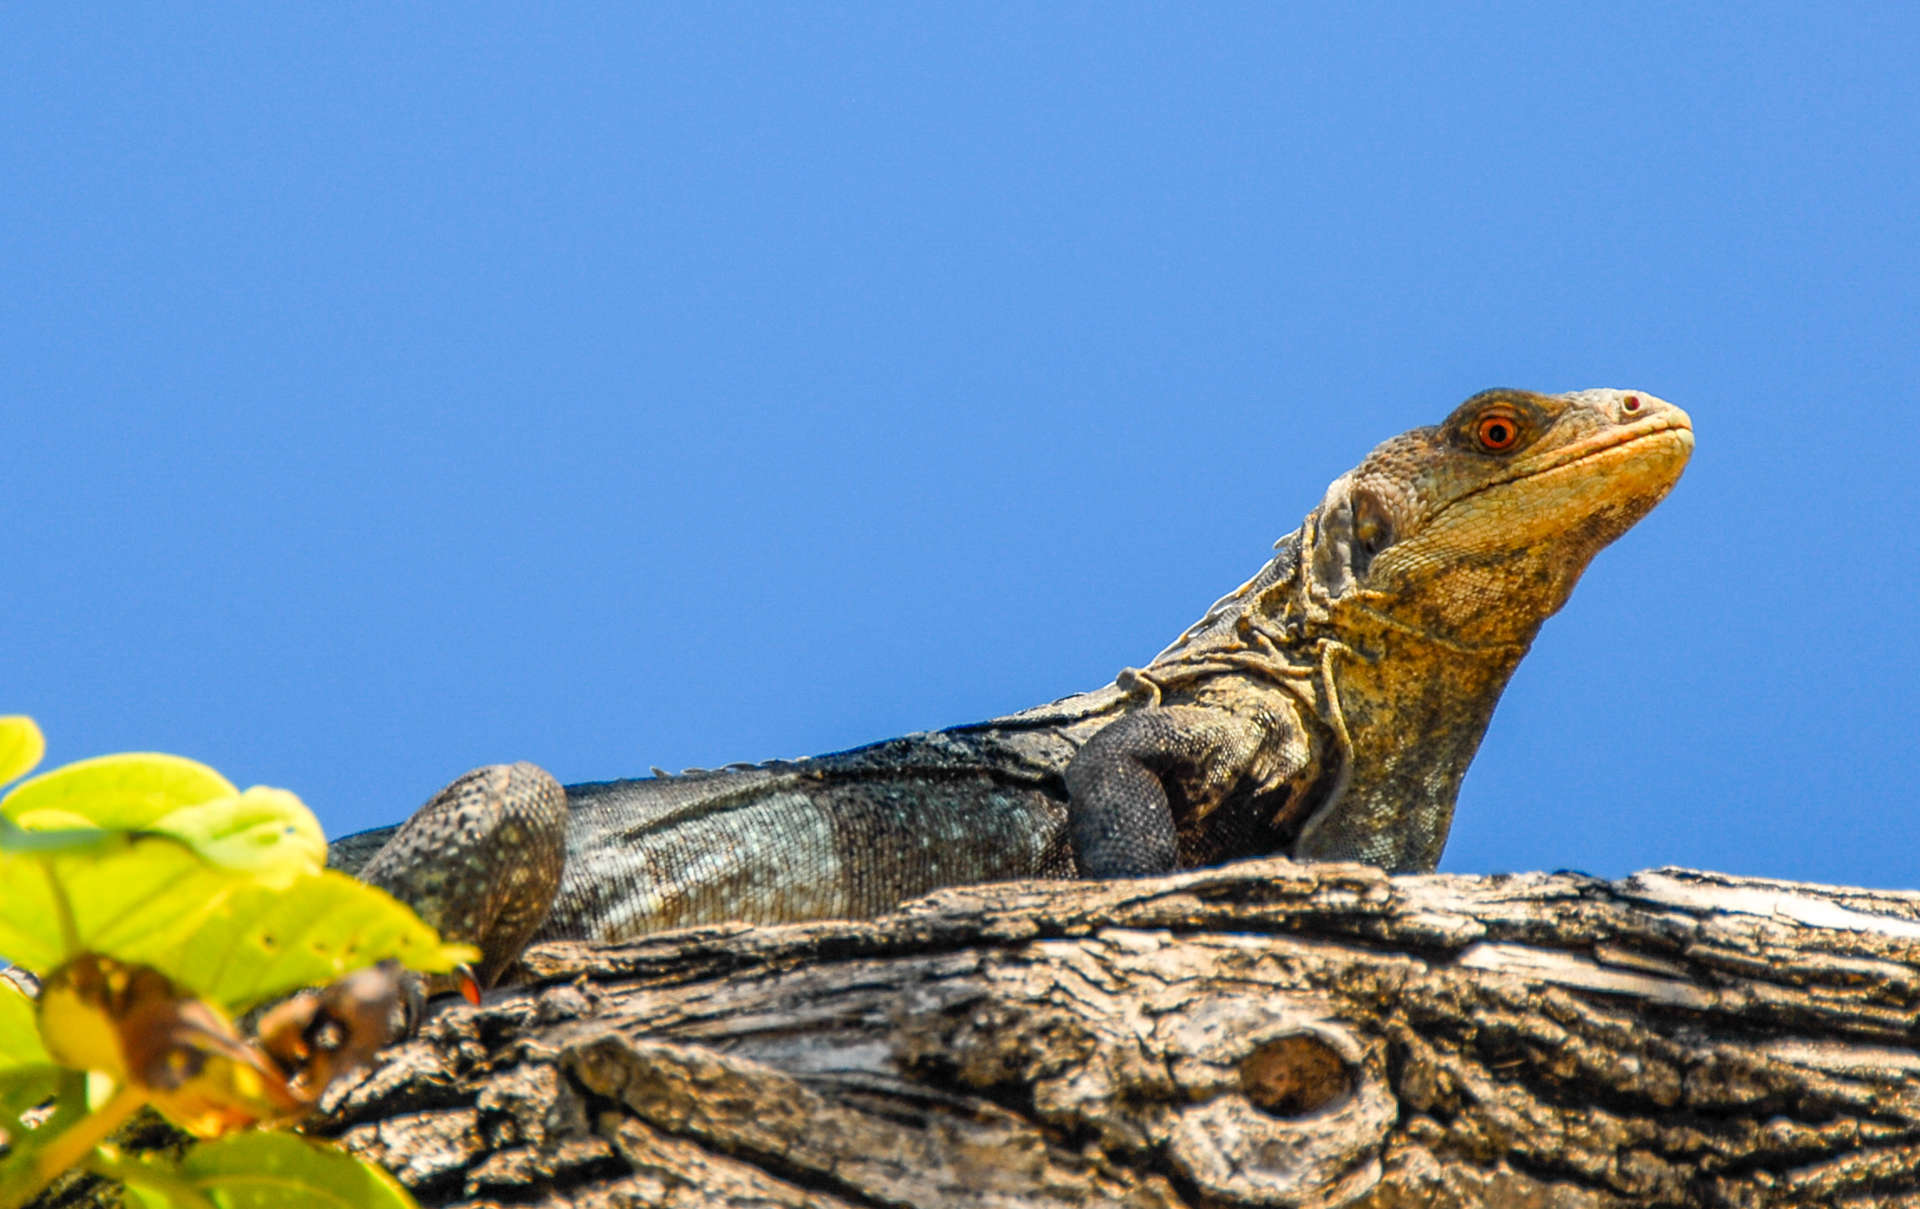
(1408, 710)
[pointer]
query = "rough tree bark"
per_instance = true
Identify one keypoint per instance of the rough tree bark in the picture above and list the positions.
(1262, 1034)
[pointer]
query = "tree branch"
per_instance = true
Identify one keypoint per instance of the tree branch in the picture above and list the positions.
(1266, 1033)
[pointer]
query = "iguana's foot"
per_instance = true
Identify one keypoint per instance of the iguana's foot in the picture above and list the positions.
(481, 861)
(1119, 816)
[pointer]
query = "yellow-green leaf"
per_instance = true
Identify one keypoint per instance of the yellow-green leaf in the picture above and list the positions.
(21, 746)
(20, 1043)
(262, 942)
(265, 831)
(148, 1181)
(127, 792)
(130, 897)
(265, 1170)
(234, 939)
(268, 832)
(24, 1087)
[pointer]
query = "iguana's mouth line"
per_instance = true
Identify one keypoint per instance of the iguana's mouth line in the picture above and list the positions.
(1592, 447)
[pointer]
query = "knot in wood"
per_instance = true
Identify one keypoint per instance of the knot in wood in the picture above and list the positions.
(1291, 1106)
(1295, 1076)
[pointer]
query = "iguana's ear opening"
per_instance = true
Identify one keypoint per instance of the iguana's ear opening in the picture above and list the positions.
(1351, 527)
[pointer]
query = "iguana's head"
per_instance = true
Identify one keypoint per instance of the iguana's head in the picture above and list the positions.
(1475, 530)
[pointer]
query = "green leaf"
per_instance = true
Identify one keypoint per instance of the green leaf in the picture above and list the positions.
(269, 832)
(267, 1170)
(234, 939)
(21, 746)
(20, 1043)
(130, 897)
(23, 1087)
(264, 941)
(128, 792)
(148, 1181)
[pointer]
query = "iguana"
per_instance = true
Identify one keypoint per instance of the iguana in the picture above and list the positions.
(1326, 709)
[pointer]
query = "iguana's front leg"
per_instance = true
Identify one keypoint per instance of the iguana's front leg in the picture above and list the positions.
(1120, 814)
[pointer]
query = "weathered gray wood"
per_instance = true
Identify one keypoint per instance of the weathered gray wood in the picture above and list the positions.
(1263, 1034)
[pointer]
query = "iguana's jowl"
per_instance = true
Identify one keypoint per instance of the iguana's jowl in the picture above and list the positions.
(1327, 708)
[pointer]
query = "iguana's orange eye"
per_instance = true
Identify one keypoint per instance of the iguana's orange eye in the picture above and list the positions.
(1497, 432)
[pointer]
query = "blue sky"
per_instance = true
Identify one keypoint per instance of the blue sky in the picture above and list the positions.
(393, 390)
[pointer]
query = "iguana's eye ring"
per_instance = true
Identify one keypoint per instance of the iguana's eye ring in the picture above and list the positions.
(1497, 432)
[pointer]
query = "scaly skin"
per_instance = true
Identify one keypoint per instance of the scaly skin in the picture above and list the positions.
(1327, 709)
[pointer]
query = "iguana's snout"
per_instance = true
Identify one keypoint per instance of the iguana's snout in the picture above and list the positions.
(1477, 529)
(1600, 465)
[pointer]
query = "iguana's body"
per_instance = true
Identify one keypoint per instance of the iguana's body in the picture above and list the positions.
(1326, 709)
